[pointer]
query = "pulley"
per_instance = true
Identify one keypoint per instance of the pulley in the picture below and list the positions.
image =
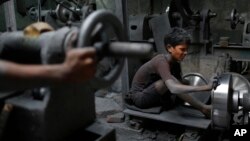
(229, 99)
(97, 22)
(196, 79)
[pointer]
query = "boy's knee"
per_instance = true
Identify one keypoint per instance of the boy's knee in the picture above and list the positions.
(160, 86)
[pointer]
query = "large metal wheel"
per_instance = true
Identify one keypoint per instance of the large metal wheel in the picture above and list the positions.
(221, 115)
(97, 23)
(240, 84)
(196, 79)
(241, 87)
(227, 99)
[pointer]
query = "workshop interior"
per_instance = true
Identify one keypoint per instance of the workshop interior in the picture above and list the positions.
(125, 34)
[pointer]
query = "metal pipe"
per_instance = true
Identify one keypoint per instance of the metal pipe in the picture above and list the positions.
(39, 18)
(17, 48)
(121, 10)
(10, 18)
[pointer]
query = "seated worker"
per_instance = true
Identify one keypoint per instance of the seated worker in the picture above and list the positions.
(158, 81)
(79, 66)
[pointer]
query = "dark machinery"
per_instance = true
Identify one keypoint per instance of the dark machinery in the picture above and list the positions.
(67, 12)
(236, 54)
(242, 18)
(232, 106)
(231, 98)
(67, 111)
(180, 14)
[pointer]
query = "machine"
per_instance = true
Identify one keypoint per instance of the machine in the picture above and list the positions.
(67, 111)
(236, 54)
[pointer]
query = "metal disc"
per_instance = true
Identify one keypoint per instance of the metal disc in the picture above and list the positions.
(223, 101)
(107, 19)
(220, 100)
(240, 84)
(196, 79)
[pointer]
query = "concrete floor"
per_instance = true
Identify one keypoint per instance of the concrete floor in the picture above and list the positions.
(111, 103)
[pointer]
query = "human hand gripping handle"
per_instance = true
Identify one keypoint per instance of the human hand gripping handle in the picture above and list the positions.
(85, 58)
(80, 63)
(214, 82)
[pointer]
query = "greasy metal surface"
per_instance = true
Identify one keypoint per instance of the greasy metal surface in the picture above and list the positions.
(180, 115)
(196, 79)
(221, 115)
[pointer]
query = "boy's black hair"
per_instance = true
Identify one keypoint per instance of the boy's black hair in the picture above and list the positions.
(177, 36)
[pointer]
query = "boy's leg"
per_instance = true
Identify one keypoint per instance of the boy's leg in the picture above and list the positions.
(205, 109)
(148, 98)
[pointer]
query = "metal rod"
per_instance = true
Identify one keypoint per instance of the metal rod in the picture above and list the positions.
(121, 10)
(39, 10)
(10, 18)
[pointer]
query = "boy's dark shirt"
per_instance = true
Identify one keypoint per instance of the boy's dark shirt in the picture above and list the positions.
(155, 69)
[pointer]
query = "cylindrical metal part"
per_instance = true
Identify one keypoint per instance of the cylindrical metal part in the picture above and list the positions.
(235, 101)
(39, 7)
(130, 49)
(246, 102)
(49, 47)
(14, 46)
(90, 23)
(221, 115)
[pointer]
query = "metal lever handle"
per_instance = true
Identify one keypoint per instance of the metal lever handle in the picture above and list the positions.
(124, 49)
(217, 82)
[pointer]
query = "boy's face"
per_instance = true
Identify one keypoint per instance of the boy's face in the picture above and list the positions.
(178, 52)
